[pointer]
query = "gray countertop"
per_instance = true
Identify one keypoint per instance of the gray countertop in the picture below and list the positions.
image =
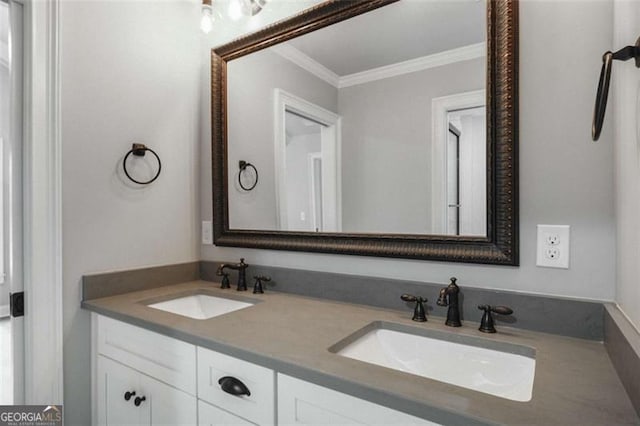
(575, 382)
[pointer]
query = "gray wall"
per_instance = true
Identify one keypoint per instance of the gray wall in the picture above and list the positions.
(564, 178)
(250, 93)
(624, 118)
(130, 72)
(386, 146)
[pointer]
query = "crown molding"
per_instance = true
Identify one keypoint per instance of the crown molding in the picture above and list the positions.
(439, 59)
(307, 63)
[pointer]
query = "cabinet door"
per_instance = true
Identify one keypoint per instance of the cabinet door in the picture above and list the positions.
(114, 380)
(303, 403)
(169, 406)
(208, 415)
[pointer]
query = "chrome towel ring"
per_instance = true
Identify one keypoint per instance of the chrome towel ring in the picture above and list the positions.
(139, 150)
(624, 54)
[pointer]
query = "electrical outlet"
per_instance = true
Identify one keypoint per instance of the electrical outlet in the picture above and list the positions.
(552, 253)
(553, 239)
(553, 246)
(207, 232)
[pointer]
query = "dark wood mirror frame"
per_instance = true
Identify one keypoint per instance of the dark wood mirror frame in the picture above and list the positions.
(501, 244)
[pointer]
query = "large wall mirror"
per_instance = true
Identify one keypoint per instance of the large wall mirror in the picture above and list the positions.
(381, 127)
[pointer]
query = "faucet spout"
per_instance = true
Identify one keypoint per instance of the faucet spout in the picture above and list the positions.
(241, 268)
(448, 296)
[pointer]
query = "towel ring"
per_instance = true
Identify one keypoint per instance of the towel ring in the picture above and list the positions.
(139, 150)
(243, 166)
(624, 54)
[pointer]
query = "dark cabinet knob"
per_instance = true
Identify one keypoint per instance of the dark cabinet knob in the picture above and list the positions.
(128, 395)
(139, 400)
(233, 386)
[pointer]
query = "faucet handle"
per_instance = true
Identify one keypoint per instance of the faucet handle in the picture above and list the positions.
(225, 277)
(486, 324)
(257, 287)
(418, 313)
(225, 281)
(502, 310)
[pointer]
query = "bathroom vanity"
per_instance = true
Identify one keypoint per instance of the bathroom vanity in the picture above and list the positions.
(277, 361)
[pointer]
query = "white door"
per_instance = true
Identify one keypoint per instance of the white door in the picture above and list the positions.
(11, 84)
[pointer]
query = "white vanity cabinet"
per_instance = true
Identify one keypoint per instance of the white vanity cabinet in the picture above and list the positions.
(127, 397)
(181, 385)
(157, 368)
(304, 403)
(179, 381)
(209, 415)
(257, 406)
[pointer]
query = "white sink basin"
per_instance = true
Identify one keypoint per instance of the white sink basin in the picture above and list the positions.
(506, 373)
(200, 306)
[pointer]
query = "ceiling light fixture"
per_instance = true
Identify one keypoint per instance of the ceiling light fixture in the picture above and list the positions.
(206, 23)
(240, 8)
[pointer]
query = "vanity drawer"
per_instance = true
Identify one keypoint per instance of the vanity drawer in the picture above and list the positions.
(208, 415)
(258, 407)
(164, 358)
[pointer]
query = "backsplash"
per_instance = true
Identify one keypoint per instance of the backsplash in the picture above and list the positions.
(567, 317)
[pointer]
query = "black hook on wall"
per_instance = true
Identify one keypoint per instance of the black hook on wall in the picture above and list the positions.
(139, 150)
(624, 54)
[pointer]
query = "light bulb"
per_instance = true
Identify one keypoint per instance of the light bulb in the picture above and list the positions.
(206, 23)
(235, 10)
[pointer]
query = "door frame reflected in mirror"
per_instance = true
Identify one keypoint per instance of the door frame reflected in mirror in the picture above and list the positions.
(331, 145)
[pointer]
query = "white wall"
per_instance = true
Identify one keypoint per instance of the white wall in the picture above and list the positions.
(564, 178)
(623, 113)
(130, 72)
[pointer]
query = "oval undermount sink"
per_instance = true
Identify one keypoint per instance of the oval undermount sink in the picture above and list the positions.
(496, 368)
(200, 306)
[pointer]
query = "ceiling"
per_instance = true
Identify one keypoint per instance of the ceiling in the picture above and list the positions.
(395, 33)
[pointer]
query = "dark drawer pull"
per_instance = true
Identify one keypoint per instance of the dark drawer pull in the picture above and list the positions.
(128, 395)
(233, 386)
(139, 400)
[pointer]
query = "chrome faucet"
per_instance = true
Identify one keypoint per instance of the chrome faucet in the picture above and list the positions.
(449, 297)
(241, 268)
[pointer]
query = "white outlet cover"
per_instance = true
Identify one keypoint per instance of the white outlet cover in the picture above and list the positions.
(553, 239)
(207, 232)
